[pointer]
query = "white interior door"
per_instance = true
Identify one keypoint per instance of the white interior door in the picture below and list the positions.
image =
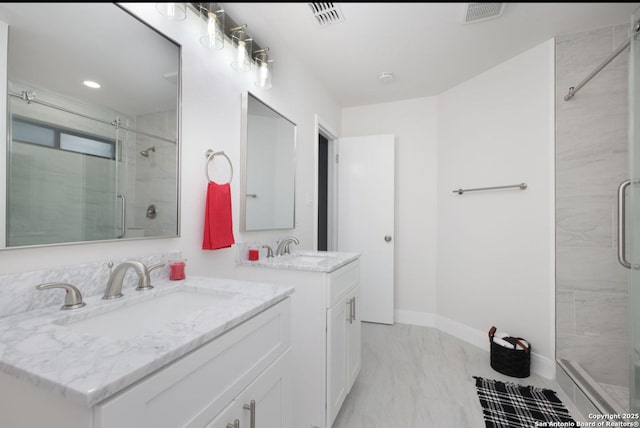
(366, 171)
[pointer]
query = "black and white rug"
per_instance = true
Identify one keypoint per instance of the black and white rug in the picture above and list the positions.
(507, 405)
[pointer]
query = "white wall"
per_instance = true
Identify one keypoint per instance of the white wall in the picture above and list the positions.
(211, 99)
(496, 248)
(413, 122)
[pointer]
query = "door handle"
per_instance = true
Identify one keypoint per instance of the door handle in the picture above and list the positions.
(353, 316)
(251, 407)
(123, 219)
(622, 227)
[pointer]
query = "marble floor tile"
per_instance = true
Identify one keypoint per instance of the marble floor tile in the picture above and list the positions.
(416, 377)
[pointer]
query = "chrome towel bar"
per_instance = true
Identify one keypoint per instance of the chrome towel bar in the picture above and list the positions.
(522, 186)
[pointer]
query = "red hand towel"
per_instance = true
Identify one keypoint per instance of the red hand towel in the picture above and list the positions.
(218, 228)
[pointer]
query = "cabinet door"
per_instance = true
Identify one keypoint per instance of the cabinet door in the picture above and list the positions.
(227, 417)
(338, 319)
(354, 346)
(193, 390)
(268, 399)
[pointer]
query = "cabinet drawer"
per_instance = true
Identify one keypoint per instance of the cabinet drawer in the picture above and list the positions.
(194, 389)
(341, 281)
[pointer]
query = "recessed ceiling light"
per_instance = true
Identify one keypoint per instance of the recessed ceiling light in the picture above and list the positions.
(386, 77)
(91, 84)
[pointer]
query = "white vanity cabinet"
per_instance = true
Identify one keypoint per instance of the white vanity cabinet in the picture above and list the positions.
(325, 346)
(207, 387)
(267, 400)
(343, 350)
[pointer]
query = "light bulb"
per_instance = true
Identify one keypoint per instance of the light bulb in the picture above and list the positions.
(263, 74)
(242, 53)
(264, 71)
(242, 59)
(213, 30)
(173, 11)
(211, 25)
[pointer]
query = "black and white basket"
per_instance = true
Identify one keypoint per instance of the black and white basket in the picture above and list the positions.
(510, 361)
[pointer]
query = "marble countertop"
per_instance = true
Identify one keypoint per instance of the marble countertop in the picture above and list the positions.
(316, 261)
(38, 348)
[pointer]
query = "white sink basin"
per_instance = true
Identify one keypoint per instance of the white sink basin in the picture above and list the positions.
(311, 257)
(147, 316)
(308, 259)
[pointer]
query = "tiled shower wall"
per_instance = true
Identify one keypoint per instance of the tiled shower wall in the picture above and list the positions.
(155, 178)
(591, 161)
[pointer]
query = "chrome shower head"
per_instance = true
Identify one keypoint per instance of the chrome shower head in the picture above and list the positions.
(145, 153)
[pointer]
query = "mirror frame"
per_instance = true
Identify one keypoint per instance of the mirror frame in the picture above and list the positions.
(4, 147)
(244, 143)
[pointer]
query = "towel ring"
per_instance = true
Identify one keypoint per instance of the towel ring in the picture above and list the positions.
(210, 155)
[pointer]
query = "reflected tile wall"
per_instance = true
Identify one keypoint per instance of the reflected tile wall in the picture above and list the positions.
(591, 160)
(156, 175)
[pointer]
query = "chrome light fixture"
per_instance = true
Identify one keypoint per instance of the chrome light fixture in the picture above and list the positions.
(264, 68)
(243, 44)
(214, 30)
(173, 11)
(213, 25)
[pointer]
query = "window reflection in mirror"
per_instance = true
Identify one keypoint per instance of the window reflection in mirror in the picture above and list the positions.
(76, 165)
(268, 158)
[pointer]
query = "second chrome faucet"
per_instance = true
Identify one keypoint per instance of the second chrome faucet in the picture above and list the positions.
(114, 285)
(284, 245)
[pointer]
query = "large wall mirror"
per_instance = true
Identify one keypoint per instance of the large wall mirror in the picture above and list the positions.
(268, 160)
(92, 125)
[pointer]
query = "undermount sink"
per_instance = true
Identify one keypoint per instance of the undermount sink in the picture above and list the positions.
(311, 257)
(136, 319)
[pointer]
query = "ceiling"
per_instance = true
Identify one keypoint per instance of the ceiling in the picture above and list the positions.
(425, 45)
(59, 45)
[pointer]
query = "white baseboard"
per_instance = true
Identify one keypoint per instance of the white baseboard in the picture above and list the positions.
(540, 365)
(422, 319)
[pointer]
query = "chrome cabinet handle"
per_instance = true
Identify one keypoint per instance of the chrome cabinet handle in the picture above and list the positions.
(354, 308)
(235, 424)
(73, 298)
(123, 220)
(622, 232)
(251, 407)
(387, 238)
(251, 195)
(349, 318)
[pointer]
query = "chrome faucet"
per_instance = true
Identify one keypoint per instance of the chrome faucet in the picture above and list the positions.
(284, 245)
(72, 299)
(269, 251)
(114, 285)
(149, 269)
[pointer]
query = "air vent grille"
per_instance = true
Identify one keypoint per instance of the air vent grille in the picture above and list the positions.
(476, 12)
(326, 13)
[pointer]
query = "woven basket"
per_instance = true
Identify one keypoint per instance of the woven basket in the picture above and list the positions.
(510, 362)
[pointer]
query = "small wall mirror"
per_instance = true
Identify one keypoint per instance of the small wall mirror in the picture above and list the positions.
(92, 124)
(267, 200)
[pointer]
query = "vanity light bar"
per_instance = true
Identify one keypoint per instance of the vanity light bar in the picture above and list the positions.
(230, 26)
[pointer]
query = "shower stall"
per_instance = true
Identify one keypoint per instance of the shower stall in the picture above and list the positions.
(598, 218)
(82, 172)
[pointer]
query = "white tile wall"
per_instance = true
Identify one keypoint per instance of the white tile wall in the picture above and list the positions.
(591, 160)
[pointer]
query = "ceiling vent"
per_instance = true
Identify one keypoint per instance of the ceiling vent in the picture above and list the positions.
(326, 13)
(477, 12)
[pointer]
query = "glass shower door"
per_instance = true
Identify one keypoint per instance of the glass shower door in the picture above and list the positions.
(633, 212)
